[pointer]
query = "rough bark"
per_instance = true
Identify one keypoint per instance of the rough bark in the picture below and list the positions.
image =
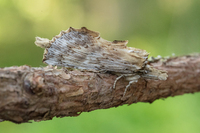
(28, 93)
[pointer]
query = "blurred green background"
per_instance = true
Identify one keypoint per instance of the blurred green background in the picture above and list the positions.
(161, 27)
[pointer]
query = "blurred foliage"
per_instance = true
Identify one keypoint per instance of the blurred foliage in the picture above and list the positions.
(161, 27)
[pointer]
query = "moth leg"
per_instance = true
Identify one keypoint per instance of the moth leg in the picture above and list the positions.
(132, 79)
(114, 85)
(130, 82)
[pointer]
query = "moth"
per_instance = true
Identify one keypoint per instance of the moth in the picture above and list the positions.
(85, 50)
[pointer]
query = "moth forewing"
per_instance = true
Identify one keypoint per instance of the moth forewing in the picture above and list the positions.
(85, 49)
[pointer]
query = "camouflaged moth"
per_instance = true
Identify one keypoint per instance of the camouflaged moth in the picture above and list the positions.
(85, 50)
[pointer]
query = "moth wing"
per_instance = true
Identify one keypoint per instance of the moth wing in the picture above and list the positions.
(85, 49)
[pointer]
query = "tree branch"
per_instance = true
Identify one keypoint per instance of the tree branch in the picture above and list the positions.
(28, 93)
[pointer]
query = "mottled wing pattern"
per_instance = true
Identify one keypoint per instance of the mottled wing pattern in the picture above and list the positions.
(86, 50)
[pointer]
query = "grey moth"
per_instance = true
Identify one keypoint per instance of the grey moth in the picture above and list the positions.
(85, 50)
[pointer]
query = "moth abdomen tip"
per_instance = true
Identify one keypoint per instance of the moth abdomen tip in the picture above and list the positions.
(42, 42)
